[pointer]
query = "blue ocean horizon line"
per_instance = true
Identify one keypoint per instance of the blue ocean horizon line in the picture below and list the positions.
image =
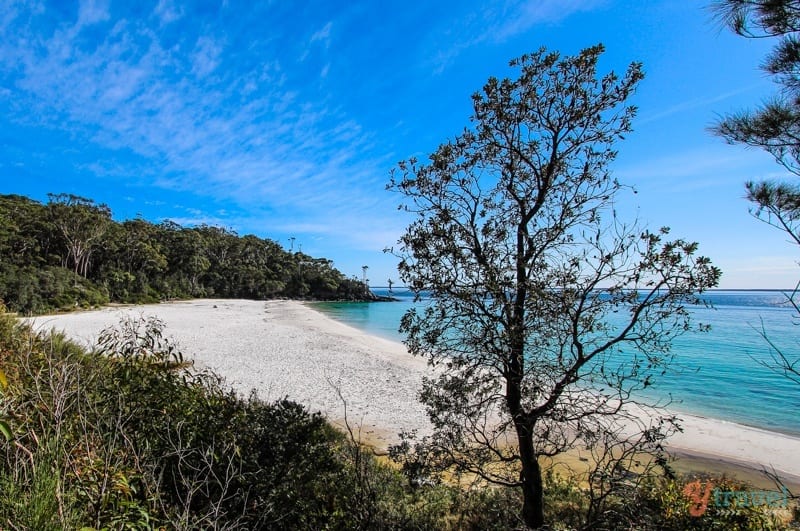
(384, 290)
(717, 374)
(712, 290)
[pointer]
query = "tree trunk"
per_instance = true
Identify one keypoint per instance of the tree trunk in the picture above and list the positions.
(531, 474)
(531, 477)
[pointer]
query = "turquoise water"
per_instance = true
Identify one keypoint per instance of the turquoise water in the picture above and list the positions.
(714, 374)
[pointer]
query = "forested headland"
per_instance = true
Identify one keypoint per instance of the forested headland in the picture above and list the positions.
(70, 252)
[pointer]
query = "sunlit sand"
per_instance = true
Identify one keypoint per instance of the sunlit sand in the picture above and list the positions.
(285, 348)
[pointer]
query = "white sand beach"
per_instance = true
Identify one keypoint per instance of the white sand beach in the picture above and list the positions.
(285, 348)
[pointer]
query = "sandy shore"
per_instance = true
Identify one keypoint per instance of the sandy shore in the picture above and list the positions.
(284, 348)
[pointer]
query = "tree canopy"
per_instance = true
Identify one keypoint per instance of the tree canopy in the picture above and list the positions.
(548, 312)
(775, 125)
(70, 252)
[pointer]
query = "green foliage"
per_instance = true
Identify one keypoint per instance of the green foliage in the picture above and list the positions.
(70, 254)
(130, 437)
(774, 126)
(659, 503)
(566, 504)
(81, 223)
(547, 310)
(665, 504)
(31, 290)
(33, 494)
(216, 456)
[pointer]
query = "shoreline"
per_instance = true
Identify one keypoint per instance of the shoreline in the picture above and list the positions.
(285, 348)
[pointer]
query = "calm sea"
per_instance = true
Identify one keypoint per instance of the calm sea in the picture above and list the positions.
(717, 374)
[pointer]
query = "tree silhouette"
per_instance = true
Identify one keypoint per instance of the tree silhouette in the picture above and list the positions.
(548, 313)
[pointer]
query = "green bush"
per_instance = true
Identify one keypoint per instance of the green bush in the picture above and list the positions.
(31, 290)
(33, 494)
(130, 437)
(144, 440)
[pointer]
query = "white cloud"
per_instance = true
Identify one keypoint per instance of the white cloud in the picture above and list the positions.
(92, 12)
(244, 136)
(693, 169)
(323, 35)
(521, 16)
(691, 104)
(167, 12)
(498, 22)
(206, 56)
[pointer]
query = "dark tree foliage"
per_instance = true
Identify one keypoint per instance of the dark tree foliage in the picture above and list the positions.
(547, 311)
(70, 253)
(773, 127)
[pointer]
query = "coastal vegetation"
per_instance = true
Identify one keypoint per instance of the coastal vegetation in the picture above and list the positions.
(547, 311)
(70, 253)
(129, 436)
(773, 127)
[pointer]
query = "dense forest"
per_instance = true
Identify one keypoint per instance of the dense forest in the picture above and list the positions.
(70, 253)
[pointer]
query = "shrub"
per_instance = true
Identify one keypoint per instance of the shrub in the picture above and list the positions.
(130, 437)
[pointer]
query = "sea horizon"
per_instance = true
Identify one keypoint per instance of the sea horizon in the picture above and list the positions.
(716, 374)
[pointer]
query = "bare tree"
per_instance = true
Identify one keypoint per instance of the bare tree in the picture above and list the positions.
(548, 312)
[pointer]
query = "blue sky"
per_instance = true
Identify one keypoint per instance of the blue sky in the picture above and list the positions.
(284, 119)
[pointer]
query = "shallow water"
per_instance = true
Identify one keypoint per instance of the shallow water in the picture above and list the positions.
(716, 374)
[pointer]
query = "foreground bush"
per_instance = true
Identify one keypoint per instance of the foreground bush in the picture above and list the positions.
(129, 437)
(134, 438)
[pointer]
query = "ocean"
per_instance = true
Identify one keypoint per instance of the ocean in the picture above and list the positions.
(717, 374)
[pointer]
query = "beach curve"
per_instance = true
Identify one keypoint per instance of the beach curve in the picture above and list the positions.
(285, 348)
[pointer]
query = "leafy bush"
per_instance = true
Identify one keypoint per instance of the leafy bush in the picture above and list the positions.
(142, 439)
(31, 290)
(130, 437)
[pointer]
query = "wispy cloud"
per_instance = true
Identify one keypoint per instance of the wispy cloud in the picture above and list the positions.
(500, 21)
(694, 103)
(92, 12)
(518, 17)
(323, 35)
(168, 12)
(321, 38)
(198, 120)
(694, 169)
(206, 56)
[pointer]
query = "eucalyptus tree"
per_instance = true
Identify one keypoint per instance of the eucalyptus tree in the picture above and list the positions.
(25, 235)
(547, 311)
(81, 223)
